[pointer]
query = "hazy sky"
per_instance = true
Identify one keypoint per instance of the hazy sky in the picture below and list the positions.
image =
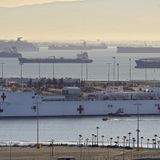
(81, 20)
(13, 3)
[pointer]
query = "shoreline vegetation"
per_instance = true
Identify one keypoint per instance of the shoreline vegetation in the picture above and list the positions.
(55, 85)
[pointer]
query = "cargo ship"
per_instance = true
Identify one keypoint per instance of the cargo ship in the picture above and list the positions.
(10, 53)
(145, 49)
(148, 63)
(81, 58)
(77, 46)
(71, 102)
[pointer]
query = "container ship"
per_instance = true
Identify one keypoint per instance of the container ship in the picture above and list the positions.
(10, 53)
(81, 58)
(71, 102)
(148, 63)
(138, 49)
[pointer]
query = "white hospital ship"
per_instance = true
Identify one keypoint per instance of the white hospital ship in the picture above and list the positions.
(71, 102)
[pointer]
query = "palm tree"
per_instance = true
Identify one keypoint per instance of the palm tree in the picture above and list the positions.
(117, 140)
(129, 138)
(148, 142)
(134, 140)
(97, 128)
(102, 139)
(87, 140)
(80, 138)
(153, 143)
(95, 138)
(92, 139)
(111, 141)
(141, 142)
(124, 141)
(155, 136)
(127, 142)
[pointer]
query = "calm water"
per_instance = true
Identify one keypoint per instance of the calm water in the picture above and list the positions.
(68, 129)
(62, 130)
(98, 70)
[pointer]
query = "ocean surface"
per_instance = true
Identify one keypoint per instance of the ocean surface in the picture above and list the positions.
(63, 130)
(98, 70)
(67, 130)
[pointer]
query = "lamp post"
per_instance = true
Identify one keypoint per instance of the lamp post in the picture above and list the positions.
(108, 71)
(130, 70)
(138, 130)
(129, 139)
(86, 72)
(145, 70)
(52, 147)
(37, 112)
(80, 154)
(21, 73)
(36, 108)
(124, 141)
(117, 71)
(2, 70)
(97, 128)
(53, 60)
(81, 71)
(114, 67)
(92, 139)
(10, 150)
(39, 70)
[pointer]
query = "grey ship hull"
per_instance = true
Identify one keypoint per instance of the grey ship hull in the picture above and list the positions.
(56, 60)
(138, 49)
(148, 63)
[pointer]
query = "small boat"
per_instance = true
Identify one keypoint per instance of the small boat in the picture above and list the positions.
(105, 118)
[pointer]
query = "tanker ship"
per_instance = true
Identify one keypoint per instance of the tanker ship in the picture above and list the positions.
(81, 58)
(71, 102)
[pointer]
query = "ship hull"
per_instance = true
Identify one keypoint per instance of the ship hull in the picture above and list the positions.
(51, 60)
(138, 49)
(147, 63)
(22, 105)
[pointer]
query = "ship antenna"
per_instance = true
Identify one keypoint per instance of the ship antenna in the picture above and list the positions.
(19, 38)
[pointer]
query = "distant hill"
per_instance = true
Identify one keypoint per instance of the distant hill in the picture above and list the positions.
(84, 19)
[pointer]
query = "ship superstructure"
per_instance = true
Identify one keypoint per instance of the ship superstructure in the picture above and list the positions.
(10, 53)
(21, 45)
